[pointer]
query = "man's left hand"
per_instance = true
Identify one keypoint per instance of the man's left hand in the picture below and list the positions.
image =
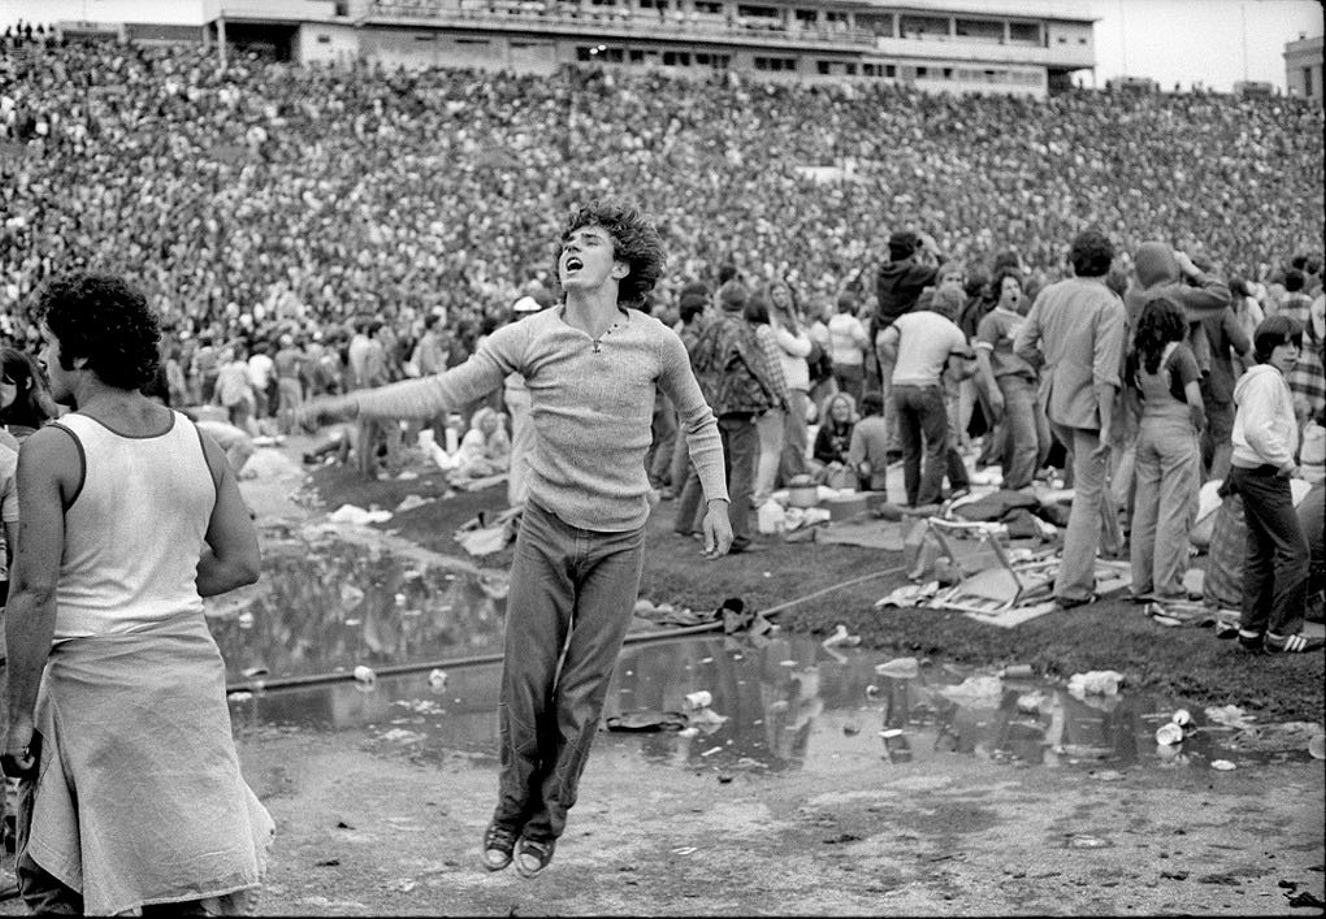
(717, 530)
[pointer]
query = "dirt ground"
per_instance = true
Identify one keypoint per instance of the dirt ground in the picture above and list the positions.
(364, 830)
(363, 834)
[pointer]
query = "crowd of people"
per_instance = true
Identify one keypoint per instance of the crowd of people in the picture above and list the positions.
(1126, 286)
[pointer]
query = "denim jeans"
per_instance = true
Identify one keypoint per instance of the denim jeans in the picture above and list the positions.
(886, 365)
(1168, 471)
(1026, 433)
(769, 426)
(741, 448)
(795, 436)
(1275, 570)
(922, 416)
(571, 589)
(1077, 569)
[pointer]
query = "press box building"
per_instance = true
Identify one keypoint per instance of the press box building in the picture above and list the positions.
(1032, 47)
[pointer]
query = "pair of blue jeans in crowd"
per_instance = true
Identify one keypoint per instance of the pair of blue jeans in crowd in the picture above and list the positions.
(1167, 476)
(1275, 569)
(569, 606)
(927, 454)
(741, 453)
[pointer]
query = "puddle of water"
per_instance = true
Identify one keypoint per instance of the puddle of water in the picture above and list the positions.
(780, 707)
(326, 604)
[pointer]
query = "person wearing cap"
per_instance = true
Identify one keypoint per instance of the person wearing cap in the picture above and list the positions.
(913, 266)
(1075, 334)
(592, 365)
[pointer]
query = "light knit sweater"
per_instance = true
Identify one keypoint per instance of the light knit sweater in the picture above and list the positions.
(590, 405)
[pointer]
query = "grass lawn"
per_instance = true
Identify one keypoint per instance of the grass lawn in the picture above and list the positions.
(1188, 665)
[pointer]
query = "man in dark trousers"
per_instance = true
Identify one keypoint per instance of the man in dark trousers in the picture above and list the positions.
(913, 265)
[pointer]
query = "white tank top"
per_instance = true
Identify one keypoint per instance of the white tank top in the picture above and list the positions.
(134, 531)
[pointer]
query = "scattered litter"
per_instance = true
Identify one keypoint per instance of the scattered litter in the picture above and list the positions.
(701, 698)
(841, 637)
(1317, 746)
(365, 674)
(890, 732)
(1229, 715)
(357, 516)
(1017, 672)
(872, 692)
(1095, 682)
(851, 728)
(245, 620)
(1032, 702)
(685, 850)
(900, 668)
(351, 595)
(711, 751)
(1181, 717)
(647, 721)
(402, 885)
(255, 671)
(909, 595)
(246, 696)
(1222, 765)
(1169, 734)
(688, 732)
(975, 687)
(707, 719)
(437, 679)
(402, 736)
(1083, 841)
(410, 502)
(1106, 775)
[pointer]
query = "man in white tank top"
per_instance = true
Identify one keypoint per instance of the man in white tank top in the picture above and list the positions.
(131, 516)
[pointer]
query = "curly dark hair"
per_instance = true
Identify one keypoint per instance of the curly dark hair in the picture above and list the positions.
(1162, 321)
(105, 320)
(635, 241)
(1091, 254)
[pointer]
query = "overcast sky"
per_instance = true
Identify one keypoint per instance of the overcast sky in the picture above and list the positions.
(1214, 42)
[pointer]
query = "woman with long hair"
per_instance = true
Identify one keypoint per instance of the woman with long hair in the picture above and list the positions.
(1162, 374)
(25, 397)
(794, 346)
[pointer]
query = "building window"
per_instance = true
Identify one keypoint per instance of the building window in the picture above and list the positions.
(326, 39)
(584, 54)
(850, 68)
(879, 24)
(824, 67)
(923, 27)
(676, 59)
(708, 6)
(922, 73)
(637, 56)
(890, 71)
(980, 29)
(1025, 32)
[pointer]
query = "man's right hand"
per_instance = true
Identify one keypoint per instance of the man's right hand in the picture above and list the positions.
(996, 400)
(326, 410)
(17, 761)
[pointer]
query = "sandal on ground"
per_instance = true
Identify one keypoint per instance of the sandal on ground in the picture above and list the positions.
(533, 856)
(498, 844)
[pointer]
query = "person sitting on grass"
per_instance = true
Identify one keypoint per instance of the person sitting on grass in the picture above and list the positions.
(485, 449)
(829, 464)
(1275, 572)
(868, 451)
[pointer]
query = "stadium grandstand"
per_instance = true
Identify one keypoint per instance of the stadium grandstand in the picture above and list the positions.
(1028, 47)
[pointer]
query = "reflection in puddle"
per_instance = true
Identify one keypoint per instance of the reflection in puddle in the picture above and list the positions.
(782, 706)
(325, 604)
